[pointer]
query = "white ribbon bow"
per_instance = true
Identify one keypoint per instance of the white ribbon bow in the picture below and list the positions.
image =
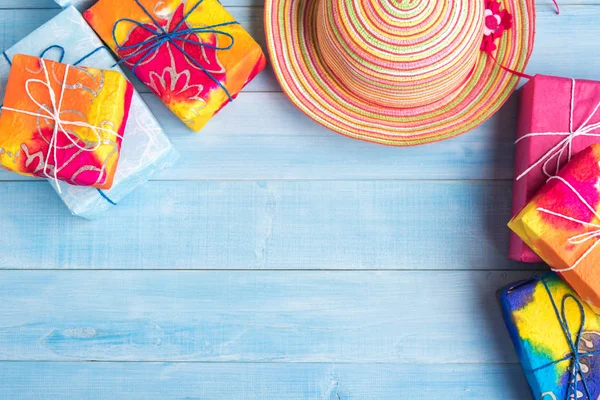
(59, 124)
(565, 144)
(582, 237)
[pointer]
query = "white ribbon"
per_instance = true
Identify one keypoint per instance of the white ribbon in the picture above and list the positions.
(582, 237)
(54, 114)
(565, 144)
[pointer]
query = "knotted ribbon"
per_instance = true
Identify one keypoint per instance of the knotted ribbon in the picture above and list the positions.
(582, 237)
(575, 371)
(149, 47)
(566, 144)
(53, 112)
(62, 54)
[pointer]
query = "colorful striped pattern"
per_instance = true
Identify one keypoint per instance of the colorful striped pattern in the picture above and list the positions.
(396, 73)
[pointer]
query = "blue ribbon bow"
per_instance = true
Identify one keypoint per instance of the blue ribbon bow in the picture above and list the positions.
(161, 37)
(575, 355)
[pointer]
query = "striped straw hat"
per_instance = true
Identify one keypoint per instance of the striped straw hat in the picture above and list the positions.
(399, 72)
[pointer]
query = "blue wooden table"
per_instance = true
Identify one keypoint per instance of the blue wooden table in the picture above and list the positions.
(277, 260)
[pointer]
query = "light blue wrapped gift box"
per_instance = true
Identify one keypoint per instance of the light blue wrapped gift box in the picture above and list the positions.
(145, 148)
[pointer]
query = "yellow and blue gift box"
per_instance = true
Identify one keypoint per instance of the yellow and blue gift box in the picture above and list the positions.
(556, 336)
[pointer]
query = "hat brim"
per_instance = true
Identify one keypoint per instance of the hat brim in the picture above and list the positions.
(310, 85)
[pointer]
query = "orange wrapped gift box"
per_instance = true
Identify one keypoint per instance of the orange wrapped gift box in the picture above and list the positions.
(63, 122)
(562, 224)
(190, 53)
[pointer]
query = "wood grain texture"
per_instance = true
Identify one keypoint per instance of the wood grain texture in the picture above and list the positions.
(242, 143)
(27, 4)
(16, 24)
(405, 317)
(265, 224)
(179, 381)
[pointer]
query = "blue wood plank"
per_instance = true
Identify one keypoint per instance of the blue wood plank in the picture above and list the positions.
(243, 143)
(564, 45)
(16, 24)
(26, 4)
(178, 381)
(398, 317)
(285, 144)
(265, 224)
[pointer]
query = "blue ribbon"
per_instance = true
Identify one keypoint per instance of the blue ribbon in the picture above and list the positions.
(105, 197)
(7, 58)
(161, 37)
(63, 52)
(575, 355)
(55, 46)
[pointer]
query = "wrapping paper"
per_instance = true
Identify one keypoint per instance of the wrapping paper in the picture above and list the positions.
(561, 224)
(145, 148)
(546, 104)
(42, 145)
(541, 341)
(218, 61)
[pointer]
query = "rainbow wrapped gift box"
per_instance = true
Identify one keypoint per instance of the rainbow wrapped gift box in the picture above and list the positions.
(191, 53)
(63, 122)
(562, 225)
(145, 149)
(556, 336)
(558, 118)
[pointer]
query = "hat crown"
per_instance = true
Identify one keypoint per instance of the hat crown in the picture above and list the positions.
(400, 53)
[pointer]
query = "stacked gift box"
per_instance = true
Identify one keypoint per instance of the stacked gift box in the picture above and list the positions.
(69, 114)
(552, 319)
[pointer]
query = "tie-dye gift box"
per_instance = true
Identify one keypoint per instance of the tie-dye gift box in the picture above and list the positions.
(191, 53)
(63, 122)
(562, 224)
(556, 337)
